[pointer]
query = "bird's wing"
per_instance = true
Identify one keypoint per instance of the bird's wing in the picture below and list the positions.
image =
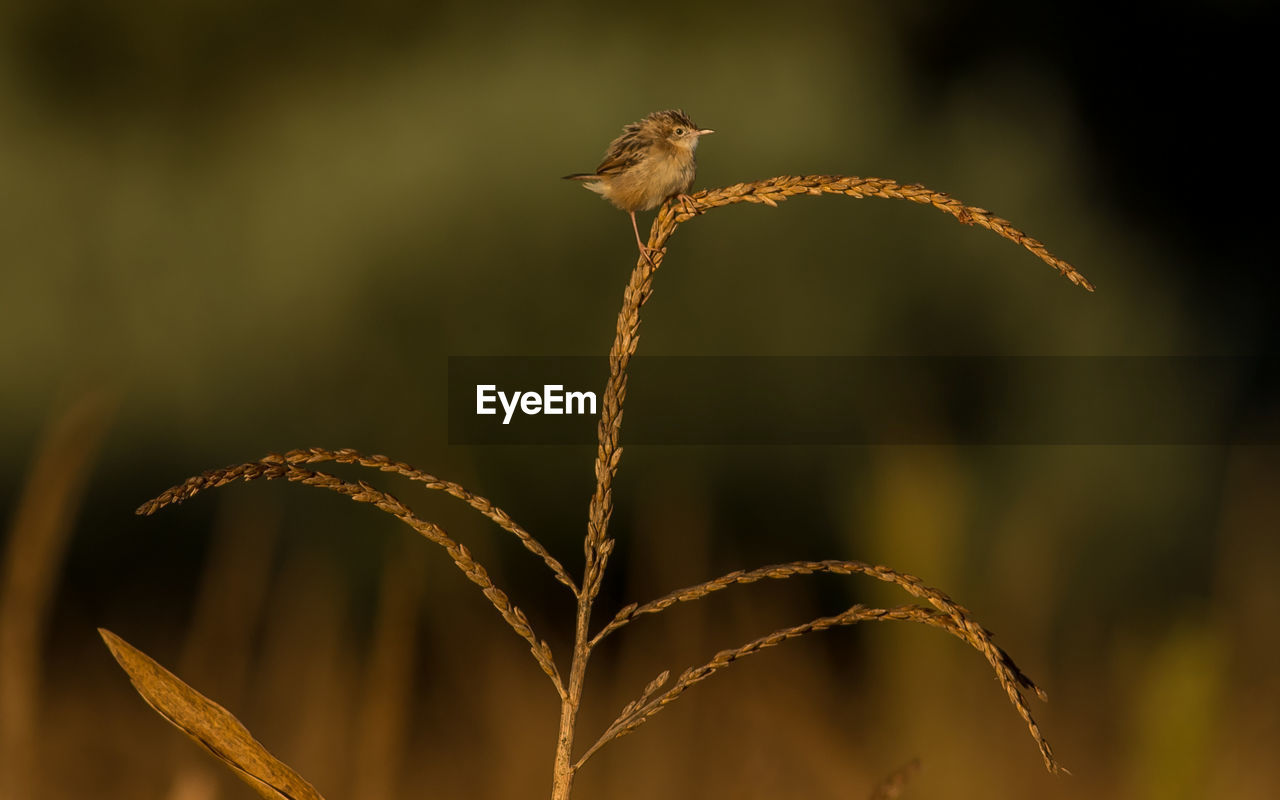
(617, 161)
(625, 151)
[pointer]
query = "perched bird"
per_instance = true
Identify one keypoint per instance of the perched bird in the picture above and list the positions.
(651, 161)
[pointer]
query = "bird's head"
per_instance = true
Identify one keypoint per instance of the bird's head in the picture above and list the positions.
(675, 128)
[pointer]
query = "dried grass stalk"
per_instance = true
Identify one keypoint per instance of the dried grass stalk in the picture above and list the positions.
(598, 546)
(950, 615)
(642, 710)
(317, 455)
(209, 725)
(775, 190)
(276, 466)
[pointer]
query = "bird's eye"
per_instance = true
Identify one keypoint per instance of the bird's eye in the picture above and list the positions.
(679, 131)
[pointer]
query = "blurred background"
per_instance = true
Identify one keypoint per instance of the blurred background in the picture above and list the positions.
(233, 227)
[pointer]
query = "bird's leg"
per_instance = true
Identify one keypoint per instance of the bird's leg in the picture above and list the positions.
(686, 204)
(644, 251)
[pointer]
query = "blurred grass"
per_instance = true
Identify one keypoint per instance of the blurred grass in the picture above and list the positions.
(271, 222)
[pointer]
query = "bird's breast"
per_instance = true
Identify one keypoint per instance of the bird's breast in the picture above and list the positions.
(651, 180)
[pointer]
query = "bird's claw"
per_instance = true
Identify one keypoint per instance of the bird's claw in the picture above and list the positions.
(686, 204)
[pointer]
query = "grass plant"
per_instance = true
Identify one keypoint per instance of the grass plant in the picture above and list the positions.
(219, 732)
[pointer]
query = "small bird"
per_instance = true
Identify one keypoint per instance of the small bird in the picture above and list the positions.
(651, 161)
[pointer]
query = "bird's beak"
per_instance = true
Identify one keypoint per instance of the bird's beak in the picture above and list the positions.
(705, 132)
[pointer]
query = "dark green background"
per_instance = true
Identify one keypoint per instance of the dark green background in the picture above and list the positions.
(263, 225)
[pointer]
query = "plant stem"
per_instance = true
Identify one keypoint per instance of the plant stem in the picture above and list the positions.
(562, 779)
(598, 545)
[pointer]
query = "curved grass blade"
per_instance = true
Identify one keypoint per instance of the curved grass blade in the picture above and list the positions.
(210, 725)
